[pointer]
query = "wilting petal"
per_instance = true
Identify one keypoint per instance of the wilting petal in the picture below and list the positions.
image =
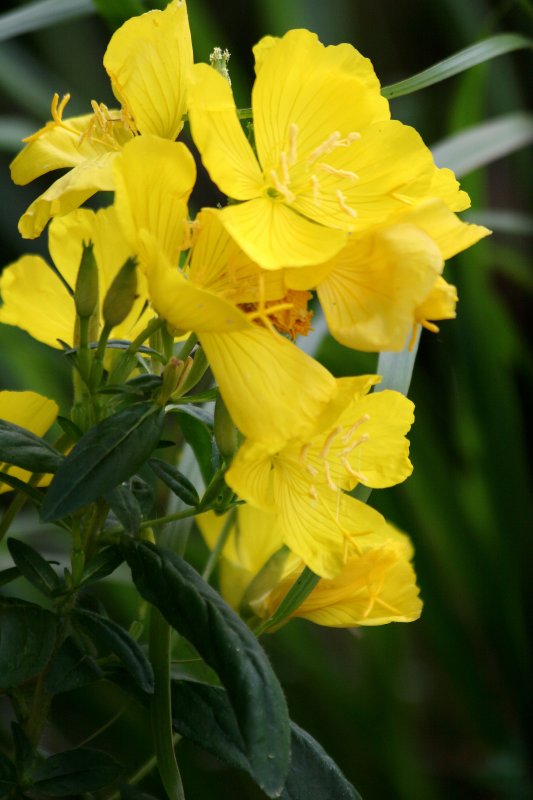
(439, 304)
(218, 135)
(149, 59)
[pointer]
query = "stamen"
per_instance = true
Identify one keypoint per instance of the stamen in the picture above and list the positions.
(361, 477)
(329, 479)
(303, 452)
(341, 173)
(293, 133)
(342, 202)
(364, 438)
(327, 146)
(353, 136)
(329, 441)
(430, 326)
(348, 436)
(281, 188)
(316, 189)
(313, 494)
(313, 472)
(285, 167)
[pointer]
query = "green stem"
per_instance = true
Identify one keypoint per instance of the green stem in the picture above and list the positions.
(219, 545)
(11, 512)
(187, 346)
(123, 365)
(160, 709)
(97, 369)
(152, 523)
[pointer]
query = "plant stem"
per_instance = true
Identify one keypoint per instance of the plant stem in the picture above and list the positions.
(219, 544)
(160, 709)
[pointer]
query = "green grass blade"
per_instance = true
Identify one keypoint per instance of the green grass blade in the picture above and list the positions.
(12, 131)
(469, 57)
(482, 144)
(41, 14)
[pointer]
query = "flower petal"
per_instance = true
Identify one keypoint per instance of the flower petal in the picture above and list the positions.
(275, 236)
(218, 135)
(149, 59)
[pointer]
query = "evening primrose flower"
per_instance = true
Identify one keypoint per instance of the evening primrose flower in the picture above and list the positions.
(236, 309)
(35, 296)
(148, 61)
(33, 412)
(387, 281)
(377, 585)
(357, 438)
(329, 162)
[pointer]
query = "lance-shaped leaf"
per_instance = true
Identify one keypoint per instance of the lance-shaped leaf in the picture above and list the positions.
(75, 772)
(126, 508)
(176, 482)
(199, 437)
(103, 564)
(107, 635)
(71, 668)
(225, 643)
(203, 714)
(106, 456)
(24, 449)
(34, 567)
(19, 486)
(27, 638)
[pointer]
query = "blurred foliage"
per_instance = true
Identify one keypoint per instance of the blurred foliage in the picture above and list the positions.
(440, 708)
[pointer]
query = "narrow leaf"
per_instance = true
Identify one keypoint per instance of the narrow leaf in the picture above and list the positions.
(203, 714)
(103, 564)
(116, 12)
(12, 131)
(176, 482)
(227, 645)
(26, 450)
(75, 772)
(465, 59)
(41, 14)
(107, 635)
(71, 668)
(20, 486)
(200, 438)
(8, 575)
(126, 508)
(27, 637)
(105, 457)
(8, 776)
(484, 143)
(294, 598)
(34, 567)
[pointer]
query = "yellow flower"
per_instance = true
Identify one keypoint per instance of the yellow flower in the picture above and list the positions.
(31, 411)
(37, 300)
(233, 306)
(329, 159)
(357, 438)
(377, 289)
(148, 61)
(377, 585)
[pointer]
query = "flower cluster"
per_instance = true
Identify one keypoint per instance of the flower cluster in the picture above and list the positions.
(326, 195)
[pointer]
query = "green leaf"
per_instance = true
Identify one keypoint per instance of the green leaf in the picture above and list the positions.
(12, 131)
(482, 144)
(34, 567)
(176, 482)
(116, 12)
(26, 450)
(105, 457)
(22, 745)
(70, 428)
(27, 638)
(71, 668)
(126, 508)
(19, 486)
(227, 645)
(203, 714)
(294, 598)
(103, 564)
(199, 437)
(132, 793)
(41, 14)
(8, 575)
(74, 772)
(144, 494)
(465, 59)
(8, 776)
(107, 635)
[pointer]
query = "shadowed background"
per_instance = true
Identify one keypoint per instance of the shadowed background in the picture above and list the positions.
(439, 708)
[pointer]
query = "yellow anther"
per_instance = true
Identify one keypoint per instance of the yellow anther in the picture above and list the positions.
(326, 146)
(285, 167)
(340, 173)
(316, 189)
(293, 133)
(345, 207)
(332, 485)
(313, 494)
(281, 188)
(361, 477)
(430, 326)
(353, 136)
(303, 452)
(364, 438)
(313, 472)
(329, 441)
(347, 436)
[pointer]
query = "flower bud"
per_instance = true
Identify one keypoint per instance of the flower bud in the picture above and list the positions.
(226, 434)
(121, 295)
(86, 292)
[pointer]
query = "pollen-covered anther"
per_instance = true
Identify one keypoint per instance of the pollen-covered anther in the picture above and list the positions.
(348, 435)
(331, 483)
(316, 189)
(57, 107)
(281, 188)
(56, 111)
(328, 442)
(285, 167)
(326, 147)
(344, 206)
(364, 438)
(293, 153)
(313, 494)
(340, 173)
(361, 477)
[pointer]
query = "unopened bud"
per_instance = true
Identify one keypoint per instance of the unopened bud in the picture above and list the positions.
(196, 373)
(226, 434)
(219, 60)
(174, 375)
(86, 292)
(121, 295)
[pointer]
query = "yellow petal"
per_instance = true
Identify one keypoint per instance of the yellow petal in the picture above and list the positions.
(275, 236)
(317, 89)
(149, 59)
(218, 135)
(377, 588)
(154, 179)
(30, 290)
(249, 475)
(67, 193)
(439, 304)
(257, 369)
(28, 410)
(375, 284)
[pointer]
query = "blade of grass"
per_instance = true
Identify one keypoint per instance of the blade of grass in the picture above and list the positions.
(42, 14)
